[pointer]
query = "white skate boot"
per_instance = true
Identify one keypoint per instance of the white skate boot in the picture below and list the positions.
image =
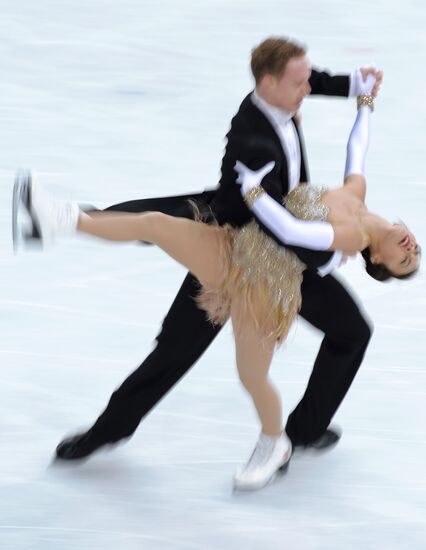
(49, 217)
(271, 454)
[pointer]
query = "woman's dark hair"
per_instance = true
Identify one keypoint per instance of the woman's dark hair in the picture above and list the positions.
(379, 271)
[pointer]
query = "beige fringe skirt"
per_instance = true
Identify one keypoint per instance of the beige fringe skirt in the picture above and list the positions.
(262, 276)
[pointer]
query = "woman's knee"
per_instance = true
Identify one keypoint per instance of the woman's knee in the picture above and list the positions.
(158, 228)
(252, 383)
(156, 219)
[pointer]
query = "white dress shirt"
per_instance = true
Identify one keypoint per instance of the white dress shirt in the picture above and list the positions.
(284, 127)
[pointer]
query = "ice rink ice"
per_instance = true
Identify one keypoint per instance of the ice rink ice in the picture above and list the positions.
(112, 101)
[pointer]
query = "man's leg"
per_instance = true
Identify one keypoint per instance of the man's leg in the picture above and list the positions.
(328, 306)
(179, 205)
(185, 335)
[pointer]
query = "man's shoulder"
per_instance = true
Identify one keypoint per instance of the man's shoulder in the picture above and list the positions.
(247, 103)
(249, 118)
(245, 112)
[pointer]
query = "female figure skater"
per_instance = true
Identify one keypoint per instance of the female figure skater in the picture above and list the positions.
(244, 274)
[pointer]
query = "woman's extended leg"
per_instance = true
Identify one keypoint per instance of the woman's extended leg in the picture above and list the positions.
(196, 245)
(199, 247)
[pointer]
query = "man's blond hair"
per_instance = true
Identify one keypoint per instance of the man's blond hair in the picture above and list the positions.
(272, 55)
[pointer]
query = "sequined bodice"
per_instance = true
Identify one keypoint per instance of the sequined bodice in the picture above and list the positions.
(305, 202)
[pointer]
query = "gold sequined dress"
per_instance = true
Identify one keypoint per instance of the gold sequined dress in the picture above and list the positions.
(265, 277)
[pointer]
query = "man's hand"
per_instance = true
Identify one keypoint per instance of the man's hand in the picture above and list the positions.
(365, 71)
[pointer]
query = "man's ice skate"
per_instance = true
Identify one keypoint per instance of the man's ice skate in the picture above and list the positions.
(324, 443)
(270, 456)
(49, 217)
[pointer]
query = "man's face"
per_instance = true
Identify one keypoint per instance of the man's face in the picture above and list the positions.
(289, 91)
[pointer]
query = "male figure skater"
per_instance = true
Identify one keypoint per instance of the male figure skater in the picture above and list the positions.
(283, 77)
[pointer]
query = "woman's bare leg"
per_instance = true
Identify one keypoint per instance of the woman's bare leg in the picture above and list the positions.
(254, 354)
(196, 245)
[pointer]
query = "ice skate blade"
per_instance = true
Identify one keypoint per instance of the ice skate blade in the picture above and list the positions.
(25, 234)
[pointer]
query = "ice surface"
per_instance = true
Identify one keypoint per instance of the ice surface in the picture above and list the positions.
(111, 101)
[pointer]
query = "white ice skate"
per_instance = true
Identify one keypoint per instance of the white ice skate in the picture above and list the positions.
(23, 230)
(48, 217)
(270, 456)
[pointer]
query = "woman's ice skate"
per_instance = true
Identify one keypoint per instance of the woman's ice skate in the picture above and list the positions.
(36, 216)
(271, 455)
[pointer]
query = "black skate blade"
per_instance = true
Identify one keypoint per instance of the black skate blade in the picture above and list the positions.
(24, 229)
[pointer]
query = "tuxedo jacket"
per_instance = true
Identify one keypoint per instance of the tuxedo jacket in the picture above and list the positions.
(253, 141)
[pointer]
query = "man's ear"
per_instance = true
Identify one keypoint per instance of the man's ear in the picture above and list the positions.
(267, 81)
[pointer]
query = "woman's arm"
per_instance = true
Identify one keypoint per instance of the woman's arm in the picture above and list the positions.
(315, 235)
(359, 139)
(348, 236)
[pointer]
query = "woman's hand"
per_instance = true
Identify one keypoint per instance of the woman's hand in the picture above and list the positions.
(365, 84)
(249, 179)
(365, 71)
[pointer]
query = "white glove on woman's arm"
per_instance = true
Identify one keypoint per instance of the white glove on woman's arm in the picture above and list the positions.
(357, 147)
(315, 235)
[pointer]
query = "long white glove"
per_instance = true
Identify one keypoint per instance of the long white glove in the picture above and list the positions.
(357, 147)
(249, 179)
(357, 83)
(315, 235)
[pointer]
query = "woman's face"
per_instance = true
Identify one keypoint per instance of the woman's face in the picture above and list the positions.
(399, 251)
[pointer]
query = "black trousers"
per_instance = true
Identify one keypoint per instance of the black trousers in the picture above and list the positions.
(186, 334)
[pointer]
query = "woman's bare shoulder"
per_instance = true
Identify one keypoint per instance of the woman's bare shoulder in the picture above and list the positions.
(356, 185)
